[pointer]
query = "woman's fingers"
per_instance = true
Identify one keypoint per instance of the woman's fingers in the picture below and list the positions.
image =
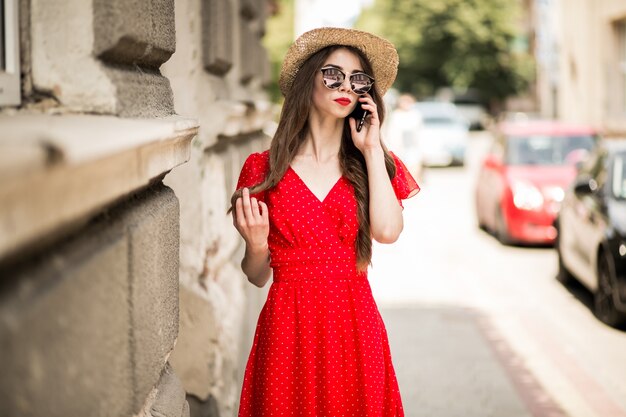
(264, 214)
(251, 219)
(250, 212)
(239, 219)
(247, 208)
(255, 208)
(367, 103)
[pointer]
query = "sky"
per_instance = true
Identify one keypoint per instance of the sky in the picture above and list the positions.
(338, 13)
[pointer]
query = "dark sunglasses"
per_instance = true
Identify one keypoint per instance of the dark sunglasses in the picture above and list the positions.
(360, 82)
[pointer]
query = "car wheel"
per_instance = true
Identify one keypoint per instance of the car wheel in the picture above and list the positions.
(480, 223)
(604, 303)
(501, 230)
(562, 274)
(479, 220)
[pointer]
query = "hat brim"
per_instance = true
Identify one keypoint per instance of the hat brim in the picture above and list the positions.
(381, 54)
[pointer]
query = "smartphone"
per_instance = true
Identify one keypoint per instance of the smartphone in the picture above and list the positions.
(359, 114)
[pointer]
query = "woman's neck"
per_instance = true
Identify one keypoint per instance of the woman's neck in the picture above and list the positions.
(324, 138)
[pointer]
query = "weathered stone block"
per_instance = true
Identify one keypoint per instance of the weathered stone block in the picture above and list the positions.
(65, 332)
(140, 32)
(104, 55)
(203, 408)
(217, 36)
(170, 400)
(193, 357)
(153, 232)
(248, 53)
(228, 296)
(250, 9)
(186, 180)
(140, 93)
(84, 164)
(90, 326)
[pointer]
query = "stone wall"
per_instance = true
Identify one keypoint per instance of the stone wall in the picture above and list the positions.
(120, 287)
(89, 324)
(213, 83)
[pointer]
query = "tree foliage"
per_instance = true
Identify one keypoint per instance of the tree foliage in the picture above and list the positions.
(453, 43)
(277, 39)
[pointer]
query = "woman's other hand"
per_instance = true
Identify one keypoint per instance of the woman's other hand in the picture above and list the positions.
(250, 217)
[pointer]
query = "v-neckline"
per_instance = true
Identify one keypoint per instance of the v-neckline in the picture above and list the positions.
(311, 191)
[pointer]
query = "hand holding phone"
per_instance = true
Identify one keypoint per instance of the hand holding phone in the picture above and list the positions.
(359, 115)
(360, 123)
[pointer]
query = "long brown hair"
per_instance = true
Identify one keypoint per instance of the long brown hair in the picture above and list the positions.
(292, 130)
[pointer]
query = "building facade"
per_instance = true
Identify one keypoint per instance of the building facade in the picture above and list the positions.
(582, 62)
(123, 126)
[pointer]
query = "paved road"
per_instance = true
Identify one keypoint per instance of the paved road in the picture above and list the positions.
(480, 329)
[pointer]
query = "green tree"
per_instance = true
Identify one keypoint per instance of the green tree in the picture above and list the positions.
(453, 43)
(278, 37)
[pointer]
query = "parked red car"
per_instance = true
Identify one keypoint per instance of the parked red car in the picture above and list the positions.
(521, 181)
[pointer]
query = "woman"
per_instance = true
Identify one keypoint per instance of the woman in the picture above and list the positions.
(308, 209)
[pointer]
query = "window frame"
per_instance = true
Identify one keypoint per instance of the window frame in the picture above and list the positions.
(621, 63)
(10, 91)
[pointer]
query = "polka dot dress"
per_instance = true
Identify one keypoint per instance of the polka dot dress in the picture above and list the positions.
(320, 348)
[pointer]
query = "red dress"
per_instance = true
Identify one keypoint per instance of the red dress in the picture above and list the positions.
(320, 348)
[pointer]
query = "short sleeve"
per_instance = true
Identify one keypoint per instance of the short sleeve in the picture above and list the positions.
(403, 183)
(253, 172)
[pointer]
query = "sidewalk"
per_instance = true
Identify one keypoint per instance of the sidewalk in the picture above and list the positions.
(450, 363)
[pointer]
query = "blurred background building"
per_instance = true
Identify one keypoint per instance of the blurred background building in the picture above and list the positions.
(581, 51)
(123, 126)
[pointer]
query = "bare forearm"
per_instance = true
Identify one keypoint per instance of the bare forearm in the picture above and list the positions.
(256, 265)
(250, 217)
(385, 213)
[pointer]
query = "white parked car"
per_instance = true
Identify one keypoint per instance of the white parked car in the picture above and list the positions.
(445, 134)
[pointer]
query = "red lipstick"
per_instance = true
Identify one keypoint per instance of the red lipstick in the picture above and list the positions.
(343, 101)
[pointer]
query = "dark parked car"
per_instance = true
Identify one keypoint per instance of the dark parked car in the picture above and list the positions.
(591, 225)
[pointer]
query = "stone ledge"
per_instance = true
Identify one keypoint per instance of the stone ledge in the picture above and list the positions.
(59, 170)
(246, 117)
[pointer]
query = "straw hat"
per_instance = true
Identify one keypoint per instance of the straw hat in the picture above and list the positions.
(381, 54)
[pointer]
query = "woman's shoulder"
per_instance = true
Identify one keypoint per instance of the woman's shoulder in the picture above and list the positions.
(257, 163)
(263, 155)
(254, 170)
(258, 159)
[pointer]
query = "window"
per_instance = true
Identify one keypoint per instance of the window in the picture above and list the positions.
(9, 54)
(619, 176)
(2, 36)
(621, 42)
(548, 150)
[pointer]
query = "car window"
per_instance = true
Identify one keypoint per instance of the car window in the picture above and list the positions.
(594, 158)
(439, 121)
(548, 150)
(619, 176)
(595, 167)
